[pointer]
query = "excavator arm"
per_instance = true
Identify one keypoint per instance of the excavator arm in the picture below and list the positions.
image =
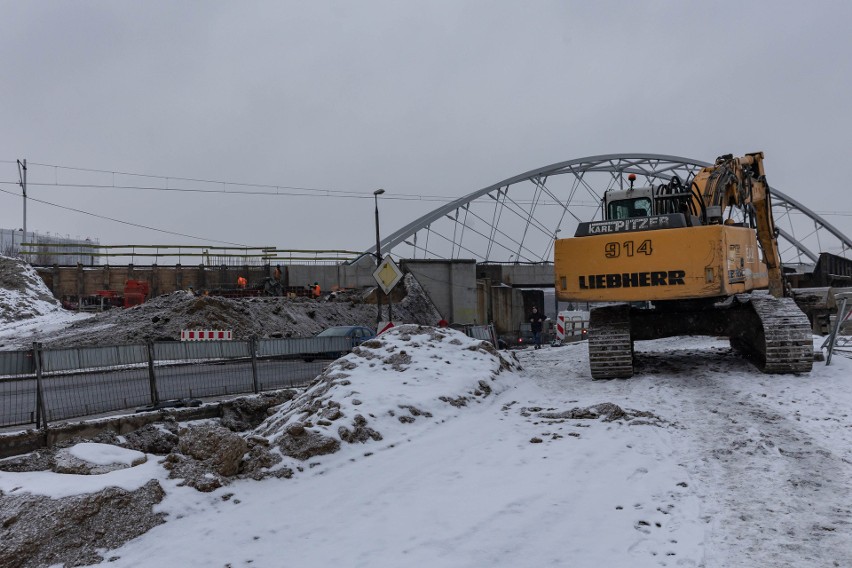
(741, 182)
(767, 236)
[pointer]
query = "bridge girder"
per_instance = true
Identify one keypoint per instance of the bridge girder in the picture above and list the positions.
(516, 220)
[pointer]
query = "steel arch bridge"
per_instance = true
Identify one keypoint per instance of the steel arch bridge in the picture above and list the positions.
(518, 219)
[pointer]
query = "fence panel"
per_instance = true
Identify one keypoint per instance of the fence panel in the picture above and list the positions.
(302, 345)
(194, 350)
(77, 358)
(199, 369)
(70, 395)
(60, 360)
(279, 374)
(17, 401)
(112, 356)
(16, 363)
(93, 380)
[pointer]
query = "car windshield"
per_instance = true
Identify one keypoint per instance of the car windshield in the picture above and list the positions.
(335, 332)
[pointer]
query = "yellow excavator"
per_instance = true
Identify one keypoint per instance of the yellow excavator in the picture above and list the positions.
(682, 258)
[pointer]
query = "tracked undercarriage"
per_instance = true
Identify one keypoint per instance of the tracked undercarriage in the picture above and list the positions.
(772, 332)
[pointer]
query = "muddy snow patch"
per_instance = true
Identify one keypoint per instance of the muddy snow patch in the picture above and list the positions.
(605, 412)
(91, 458)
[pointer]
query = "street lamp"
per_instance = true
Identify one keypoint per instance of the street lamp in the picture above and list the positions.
(555, 291)
(376, 195)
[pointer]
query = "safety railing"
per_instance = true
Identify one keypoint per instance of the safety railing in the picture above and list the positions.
(40, 386)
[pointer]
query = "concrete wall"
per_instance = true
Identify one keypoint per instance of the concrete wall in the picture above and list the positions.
(84, 281)
(507, 309)
(451, 285)
(462, 291)
(519, 275)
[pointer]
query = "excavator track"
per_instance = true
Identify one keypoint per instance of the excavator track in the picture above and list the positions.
(783, 341)
(610, 345)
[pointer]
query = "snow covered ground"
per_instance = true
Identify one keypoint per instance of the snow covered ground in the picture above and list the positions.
(713, 464)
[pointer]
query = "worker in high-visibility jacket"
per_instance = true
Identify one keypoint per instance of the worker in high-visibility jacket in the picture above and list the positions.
(242, 282)
(315, 291)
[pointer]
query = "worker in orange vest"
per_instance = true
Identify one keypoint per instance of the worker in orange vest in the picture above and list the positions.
(242, 282)
(315, 291)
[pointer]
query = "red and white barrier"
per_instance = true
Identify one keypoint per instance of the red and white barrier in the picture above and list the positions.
(560, 326)
(571, 323)
(205, 335)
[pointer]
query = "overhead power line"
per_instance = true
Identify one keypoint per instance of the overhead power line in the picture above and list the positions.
(330, 193)
(129, 223)
(224, 185)
(228, 187)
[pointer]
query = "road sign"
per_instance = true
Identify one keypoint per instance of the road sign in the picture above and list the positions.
(387, 274)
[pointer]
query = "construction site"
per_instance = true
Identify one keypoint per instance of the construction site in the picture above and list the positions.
(638, 307)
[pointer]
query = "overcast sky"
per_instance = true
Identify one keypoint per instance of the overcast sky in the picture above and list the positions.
(436, 98)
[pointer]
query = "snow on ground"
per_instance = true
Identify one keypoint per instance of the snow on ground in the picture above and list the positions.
(711, 464)
(21, 334)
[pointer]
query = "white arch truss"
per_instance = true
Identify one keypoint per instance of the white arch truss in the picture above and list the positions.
(516, 220)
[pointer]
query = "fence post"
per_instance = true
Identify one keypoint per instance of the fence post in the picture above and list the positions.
(253, 347)
(41, 414)
(152, 377)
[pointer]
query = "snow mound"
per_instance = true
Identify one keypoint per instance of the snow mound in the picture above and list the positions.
(406, 379)
(23, 294)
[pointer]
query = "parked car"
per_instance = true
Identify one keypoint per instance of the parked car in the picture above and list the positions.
(357, 334)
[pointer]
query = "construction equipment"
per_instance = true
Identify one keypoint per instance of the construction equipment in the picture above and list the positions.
(681, 258)
(135, 293)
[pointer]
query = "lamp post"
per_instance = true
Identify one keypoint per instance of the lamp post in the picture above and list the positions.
(376, 195)
(555, 290)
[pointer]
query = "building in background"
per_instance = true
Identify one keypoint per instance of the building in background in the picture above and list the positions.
(67, 252)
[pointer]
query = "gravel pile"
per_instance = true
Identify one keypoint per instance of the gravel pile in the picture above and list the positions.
(164, 317)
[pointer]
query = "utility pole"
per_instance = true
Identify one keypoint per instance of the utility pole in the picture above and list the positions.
(22, 174)
(376, 195)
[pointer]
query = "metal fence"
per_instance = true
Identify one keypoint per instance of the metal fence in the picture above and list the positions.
(39, 386)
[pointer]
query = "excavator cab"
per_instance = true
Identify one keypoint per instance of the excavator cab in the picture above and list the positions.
(629, 203)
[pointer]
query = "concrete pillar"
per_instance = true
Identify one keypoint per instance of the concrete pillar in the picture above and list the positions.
(81, 289)
(155, 280)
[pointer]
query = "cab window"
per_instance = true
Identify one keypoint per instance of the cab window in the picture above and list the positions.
(626, 208)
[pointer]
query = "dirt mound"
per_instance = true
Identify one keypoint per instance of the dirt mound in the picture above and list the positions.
(74, 531)
(23, 294)
(164, 317)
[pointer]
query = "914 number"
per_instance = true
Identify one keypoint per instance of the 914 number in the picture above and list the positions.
(614, 249)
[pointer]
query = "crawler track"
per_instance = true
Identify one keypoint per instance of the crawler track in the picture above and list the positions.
(773, 332)
(782, 340)
(610, 346)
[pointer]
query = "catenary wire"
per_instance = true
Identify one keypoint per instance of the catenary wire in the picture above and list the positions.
(129, 223)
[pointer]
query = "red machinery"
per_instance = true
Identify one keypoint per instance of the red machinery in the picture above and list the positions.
(135, 292)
